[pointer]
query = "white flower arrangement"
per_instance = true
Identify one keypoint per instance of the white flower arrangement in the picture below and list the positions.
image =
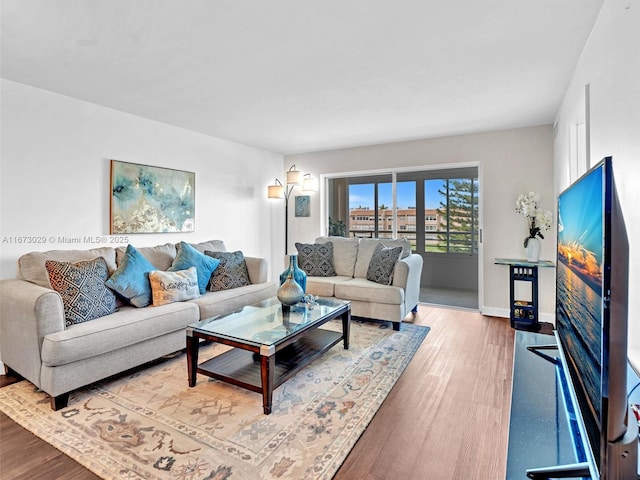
(538, 218)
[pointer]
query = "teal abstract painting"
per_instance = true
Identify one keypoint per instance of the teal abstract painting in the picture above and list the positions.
(303, 206)
(147, 199)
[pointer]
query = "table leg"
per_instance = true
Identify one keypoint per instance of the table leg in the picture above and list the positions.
(193, 343)
(267, 371)
(346, 327)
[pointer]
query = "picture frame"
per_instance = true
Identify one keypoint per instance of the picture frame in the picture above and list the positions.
(303, 206)
(150, 199)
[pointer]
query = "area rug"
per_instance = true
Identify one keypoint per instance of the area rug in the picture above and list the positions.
(150, 425)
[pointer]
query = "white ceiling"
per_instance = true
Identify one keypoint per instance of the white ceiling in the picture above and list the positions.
(294, 76)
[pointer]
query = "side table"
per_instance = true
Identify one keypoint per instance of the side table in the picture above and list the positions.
(523, 312)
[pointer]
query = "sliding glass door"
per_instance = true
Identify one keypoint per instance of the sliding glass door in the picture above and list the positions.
(436, 210)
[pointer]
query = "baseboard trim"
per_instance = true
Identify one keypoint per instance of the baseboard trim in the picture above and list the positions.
(504, 313)
(495, 312)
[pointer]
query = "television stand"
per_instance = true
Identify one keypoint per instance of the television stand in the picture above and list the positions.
(575, 470)
(540, 441)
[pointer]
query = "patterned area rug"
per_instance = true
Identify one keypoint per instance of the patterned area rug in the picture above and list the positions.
(151, 425)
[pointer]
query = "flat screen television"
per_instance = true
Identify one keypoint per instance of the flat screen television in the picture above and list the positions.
(591, 328)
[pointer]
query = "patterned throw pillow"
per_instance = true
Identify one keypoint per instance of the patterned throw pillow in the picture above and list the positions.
(82, 288)
(131, 279)
(316, 259)
(231, 273)
(382, 264)
(190, 257)
(178, 286)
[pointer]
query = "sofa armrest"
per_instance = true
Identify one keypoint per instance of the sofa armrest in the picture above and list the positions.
(258, 269)
(406, 275)
(28, 313)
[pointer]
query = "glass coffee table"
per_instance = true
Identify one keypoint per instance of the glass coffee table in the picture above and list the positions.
(271, 343)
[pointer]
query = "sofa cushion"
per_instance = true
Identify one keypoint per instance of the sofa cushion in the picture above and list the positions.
(316, 259)
(160, 256)
(187, 257)
(324, 286)
(360, 289)
(366, 247)
(126, 327)
(211, 245)
(345, 252)
(231, 273)
(226, 301)
(382, 263)
(131, 279)
(170, 287)
(81, 286)
(32, 269)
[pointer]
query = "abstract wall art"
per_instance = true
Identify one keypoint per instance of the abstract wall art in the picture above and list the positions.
(303, 206)
(147, 199)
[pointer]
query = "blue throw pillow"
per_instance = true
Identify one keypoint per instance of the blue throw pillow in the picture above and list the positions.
(190, 257)
(131, 279)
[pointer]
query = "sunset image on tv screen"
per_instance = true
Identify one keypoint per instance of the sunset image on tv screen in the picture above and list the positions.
(579, 277)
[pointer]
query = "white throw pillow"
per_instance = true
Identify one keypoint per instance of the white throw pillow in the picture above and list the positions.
(169, 287)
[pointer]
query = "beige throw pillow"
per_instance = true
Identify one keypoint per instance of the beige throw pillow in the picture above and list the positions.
(169, 287)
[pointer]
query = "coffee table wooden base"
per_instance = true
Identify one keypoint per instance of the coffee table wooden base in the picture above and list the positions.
(263, 369)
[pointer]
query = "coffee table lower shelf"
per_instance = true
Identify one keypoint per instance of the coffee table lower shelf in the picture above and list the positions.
(243, 368)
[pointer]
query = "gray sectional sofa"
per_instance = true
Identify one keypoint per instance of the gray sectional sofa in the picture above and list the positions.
(35, 343)
(369, 299)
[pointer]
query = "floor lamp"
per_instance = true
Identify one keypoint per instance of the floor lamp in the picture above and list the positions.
(293, 178)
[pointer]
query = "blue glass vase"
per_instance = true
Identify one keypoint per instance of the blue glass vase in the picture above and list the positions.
(298, 274)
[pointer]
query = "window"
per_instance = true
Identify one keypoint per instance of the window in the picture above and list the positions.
(455, 201)
(447, 200)
(369, 206)
(406, 202)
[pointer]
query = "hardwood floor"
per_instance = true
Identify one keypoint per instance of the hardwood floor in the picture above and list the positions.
(447, 417)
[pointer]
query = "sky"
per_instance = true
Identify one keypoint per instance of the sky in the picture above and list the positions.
(363, 194)
(580, 212)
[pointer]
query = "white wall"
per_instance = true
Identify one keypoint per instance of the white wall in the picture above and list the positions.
(510, 162)
(55, 176)
(610, 65)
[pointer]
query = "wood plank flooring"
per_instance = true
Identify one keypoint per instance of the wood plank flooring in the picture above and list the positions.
(446, 418)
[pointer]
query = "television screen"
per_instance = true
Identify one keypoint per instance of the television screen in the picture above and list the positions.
(579, 302)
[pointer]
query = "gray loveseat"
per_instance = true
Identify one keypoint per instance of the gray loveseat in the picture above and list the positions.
(351, 257)
(35, 343)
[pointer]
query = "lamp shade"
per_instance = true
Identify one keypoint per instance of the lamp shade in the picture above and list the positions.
(309, 184)
(275, 191)
(294, 177)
